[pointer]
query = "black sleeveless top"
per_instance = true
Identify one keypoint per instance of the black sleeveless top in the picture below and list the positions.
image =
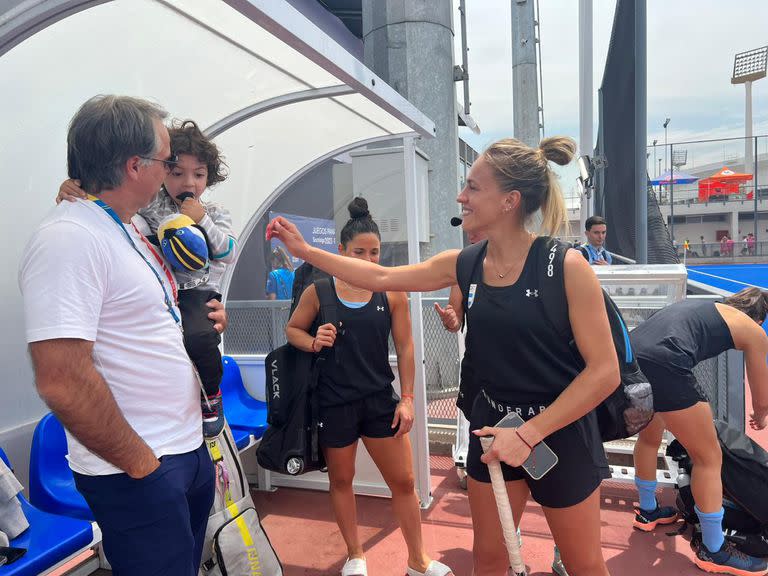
(682, 334)
(517, 355)
(358, 364)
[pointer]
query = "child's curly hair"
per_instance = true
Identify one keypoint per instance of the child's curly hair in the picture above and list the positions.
(187, 138)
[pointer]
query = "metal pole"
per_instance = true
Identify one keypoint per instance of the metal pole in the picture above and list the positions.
(586, 143)
(755, 195)
(419, 434)
(464, 57)
(748, 126)
(641, 120)
(525, 91)
(671, 197)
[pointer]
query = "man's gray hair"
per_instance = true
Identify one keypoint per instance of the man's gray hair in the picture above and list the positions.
(104, 133)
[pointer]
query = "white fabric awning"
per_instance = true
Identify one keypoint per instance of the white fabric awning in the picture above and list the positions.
(212, 61)
(277, 90)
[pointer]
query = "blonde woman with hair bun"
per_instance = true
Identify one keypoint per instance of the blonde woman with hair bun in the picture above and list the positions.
(522, 363)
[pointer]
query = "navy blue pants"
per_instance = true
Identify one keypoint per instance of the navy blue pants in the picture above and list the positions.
(155, 525)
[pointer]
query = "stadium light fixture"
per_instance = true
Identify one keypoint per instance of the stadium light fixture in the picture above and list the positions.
(747, 67)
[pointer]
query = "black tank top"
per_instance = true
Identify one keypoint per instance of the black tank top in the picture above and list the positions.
(682, 334)
(517, 355)
(358, 364)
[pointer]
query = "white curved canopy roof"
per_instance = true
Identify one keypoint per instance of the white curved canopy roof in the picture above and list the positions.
(278, 91)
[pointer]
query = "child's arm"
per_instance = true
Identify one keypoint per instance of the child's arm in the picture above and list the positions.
(217, 224)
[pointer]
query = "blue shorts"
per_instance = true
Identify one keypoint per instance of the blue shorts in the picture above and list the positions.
(155, 525)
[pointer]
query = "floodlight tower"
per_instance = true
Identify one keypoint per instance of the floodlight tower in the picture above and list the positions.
(747, 67)
(679, 158)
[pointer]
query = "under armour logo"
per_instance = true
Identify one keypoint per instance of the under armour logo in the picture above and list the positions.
(319, 424)
(380, 308)
(529, 293)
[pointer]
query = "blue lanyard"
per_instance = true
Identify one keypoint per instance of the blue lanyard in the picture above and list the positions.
(108, 209)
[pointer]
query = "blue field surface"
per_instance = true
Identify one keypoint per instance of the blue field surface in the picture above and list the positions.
(731, 277)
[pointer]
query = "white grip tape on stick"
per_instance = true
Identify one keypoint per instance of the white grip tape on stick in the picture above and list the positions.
(505, 511)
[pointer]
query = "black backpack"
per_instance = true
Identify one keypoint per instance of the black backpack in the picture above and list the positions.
(744, 474)
(290, 444)
(629, 408)
(304, 275)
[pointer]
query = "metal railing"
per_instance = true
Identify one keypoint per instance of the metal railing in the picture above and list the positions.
(728, 251)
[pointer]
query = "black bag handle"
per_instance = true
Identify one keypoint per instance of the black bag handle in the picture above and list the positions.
(328, 315)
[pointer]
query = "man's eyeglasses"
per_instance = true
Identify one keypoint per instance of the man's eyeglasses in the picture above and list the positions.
(169, 164)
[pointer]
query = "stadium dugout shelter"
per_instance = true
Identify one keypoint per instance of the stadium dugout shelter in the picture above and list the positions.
(278, 95)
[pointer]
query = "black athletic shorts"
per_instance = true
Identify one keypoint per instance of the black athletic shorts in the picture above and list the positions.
(576, 475)
(674, 387)
(343, 424)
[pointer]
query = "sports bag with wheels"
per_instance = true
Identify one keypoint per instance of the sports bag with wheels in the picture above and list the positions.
(290, 444)
(235, 541)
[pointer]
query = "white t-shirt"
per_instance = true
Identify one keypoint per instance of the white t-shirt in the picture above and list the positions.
(81, 278)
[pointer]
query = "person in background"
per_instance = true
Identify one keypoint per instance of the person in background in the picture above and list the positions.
(703, 248)
(595, 229)
(280, 278)
(357, 400)
(668, 346)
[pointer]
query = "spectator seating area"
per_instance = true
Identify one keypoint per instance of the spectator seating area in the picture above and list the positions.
(61, 524)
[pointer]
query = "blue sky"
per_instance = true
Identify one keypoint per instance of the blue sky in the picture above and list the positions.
(691, 45)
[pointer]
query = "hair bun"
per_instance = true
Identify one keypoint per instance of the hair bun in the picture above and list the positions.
(558, 149)
(358, 208)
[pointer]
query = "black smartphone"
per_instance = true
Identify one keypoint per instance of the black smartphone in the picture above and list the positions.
(541, 460)
(10, 555)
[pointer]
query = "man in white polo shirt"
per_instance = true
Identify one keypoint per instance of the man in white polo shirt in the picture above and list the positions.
(107, 347)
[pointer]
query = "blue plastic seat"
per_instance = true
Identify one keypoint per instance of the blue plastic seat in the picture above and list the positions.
(243, 411)
(51, 484)
(49, 539)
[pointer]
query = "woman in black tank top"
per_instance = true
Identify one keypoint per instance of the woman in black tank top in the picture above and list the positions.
(668, 346)
(506, 186)
(356, 395)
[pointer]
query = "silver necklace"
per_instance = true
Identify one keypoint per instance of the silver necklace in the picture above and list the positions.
(351, 289)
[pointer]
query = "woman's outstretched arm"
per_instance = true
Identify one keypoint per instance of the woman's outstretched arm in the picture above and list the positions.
(433, 274)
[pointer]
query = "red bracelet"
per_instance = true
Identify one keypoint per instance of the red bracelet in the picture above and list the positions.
(406, 396)
(313, 345)
(517, 431)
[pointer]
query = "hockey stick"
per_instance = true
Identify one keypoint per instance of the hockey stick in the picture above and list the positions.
(505, 511)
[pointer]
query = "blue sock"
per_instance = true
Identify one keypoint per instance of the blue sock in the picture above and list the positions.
(711, 528)
(647, 491)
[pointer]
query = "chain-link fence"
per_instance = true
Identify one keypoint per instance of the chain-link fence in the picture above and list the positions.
(713, 194)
